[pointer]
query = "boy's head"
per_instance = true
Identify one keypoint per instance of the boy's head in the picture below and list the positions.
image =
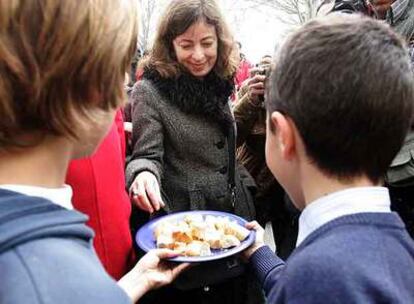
(62, 65)
(344, 86)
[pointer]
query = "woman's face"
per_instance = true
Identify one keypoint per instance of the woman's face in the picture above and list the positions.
(196, 48)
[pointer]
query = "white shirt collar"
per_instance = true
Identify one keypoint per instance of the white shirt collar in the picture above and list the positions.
(345, 202)
(59, 196)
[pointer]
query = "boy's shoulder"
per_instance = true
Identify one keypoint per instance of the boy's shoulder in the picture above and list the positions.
(49, 270)
(350, 254)
(46, 254)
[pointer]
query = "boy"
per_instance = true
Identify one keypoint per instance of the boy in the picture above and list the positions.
(340, 103)
(62, 65)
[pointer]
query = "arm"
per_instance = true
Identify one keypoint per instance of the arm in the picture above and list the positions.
(265, 264)
(144, 171)
(248, 106)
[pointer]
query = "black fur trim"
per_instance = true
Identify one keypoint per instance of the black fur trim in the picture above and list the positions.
(207, 97)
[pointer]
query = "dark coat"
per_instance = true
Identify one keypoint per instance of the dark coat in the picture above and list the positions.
(182, 138)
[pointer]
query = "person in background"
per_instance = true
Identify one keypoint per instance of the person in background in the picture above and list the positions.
(184, 138)
(99, 191)
(56, 104)
(400, 176)
(243, 69)
(351, 248)
(271, 203)
(133, 68)
(399, 14)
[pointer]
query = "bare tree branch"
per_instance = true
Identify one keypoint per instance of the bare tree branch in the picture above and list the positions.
(299, 11)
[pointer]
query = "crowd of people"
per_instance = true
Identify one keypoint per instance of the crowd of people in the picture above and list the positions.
(313, 146)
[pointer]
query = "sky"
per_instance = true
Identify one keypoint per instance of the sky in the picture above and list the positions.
(258, 33)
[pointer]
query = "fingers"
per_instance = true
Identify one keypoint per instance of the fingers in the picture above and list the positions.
(154, 194)
(139, 196)
(145, 192)
(165, 253)
(254, 225)
(256, 79)
(256, 86)
(180, 268)
(143, 199)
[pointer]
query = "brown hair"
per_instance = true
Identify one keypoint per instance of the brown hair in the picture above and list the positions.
(58, 59)
(347, 84)
(177, 18)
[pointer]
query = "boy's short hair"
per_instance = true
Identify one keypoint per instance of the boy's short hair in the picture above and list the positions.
(346, 82)
(57, 60)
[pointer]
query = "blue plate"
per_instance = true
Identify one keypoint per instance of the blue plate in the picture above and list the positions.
(145, 236)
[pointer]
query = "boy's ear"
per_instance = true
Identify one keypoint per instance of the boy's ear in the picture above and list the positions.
(285, 133)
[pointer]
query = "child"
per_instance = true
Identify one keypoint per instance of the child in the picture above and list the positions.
(62, 66)
(339, 106)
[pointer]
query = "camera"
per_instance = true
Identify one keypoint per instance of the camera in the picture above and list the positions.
(261, 69)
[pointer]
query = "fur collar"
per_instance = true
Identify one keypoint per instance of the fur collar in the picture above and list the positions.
(207, 97)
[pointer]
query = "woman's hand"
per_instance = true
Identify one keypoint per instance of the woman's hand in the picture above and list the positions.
(151, 272)
(259, 241)
(145, 192)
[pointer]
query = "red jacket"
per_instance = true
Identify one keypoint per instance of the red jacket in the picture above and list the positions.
(98, 184)
(242, 72)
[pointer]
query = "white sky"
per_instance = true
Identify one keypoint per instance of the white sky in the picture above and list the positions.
(259, 33)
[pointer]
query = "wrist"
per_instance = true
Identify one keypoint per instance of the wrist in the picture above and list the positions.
(252, 249)
(135, 285)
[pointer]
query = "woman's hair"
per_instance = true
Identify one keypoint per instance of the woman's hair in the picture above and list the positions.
(177, 18)
(58, 60)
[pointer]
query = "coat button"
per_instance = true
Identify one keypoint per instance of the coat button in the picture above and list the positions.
(223, 170)
(220, 144)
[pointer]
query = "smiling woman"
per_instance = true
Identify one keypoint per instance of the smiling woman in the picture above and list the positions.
(184, 138)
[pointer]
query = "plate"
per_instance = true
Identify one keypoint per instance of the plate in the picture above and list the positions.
(146, 241)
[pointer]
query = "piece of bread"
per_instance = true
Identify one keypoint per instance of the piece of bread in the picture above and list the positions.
(228, 241)
(193, 218)
(213, 237)
(197, 248)
(238, 231)
(165, 241)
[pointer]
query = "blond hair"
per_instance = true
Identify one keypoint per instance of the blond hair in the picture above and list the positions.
(58, 58)
(177, 18)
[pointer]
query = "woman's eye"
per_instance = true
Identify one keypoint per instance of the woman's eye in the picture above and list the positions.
(207, 44)
(186, 47)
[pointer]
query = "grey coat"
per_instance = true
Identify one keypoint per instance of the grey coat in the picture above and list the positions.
(188, 153)
(405, 25)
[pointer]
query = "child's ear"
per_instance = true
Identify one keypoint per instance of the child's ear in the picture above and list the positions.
(286, 134)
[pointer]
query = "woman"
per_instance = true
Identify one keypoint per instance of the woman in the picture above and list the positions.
(183, 130)
(272, 204)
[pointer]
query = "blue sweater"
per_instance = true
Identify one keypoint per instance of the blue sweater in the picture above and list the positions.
(360, 258)
(46, 256)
